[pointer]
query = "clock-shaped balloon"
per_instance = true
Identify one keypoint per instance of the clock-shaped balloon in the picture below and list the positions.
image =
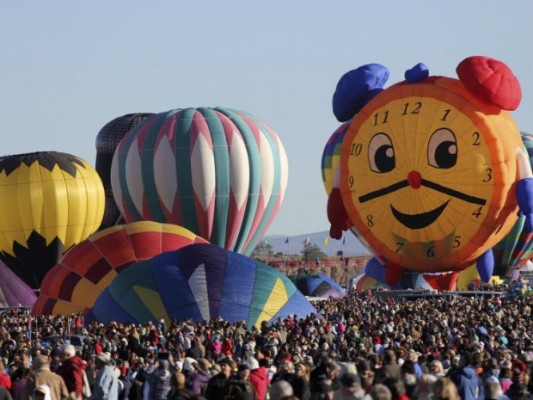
(430, 168)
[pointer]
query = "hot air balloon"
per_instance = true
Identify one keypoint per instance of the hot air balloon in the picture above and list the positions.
(318, 285)
(331, 156)
(87, 269)
(516, 248)
(107, 141)
(49, 201)
(220, 173)
(212, 282)
(13, 291)
(428, 166)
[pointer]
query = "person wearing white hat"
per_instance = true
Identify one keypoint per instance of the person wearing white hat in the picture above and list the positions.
(42, 392)
(106, 385)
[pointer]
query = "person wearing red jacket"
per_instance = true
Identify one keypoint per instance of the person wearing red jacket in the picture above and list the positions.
(258, 377)
(71, 370)
(5, 380)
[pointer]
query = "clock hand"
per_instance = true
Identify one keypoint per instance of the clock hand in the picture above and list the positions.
(383, 191)
(454, 193)
(399, 185)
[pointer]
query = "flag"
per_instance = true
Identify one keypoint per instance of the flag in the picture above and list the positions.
(287, 240)
(326, 241)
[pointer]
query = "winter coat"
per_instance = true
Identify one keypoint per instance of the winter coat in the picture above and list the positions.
(259, 380)
(71, 370)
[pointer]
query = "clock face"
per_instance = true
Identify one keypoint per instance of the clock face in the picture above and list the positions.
(426, 179)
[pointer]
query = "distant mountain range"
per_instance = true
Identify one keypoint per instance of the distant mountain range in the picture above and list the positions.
(348, 244)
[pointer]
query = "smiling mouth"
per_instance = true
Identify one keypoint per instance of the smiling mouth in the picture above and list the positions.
(418, 221)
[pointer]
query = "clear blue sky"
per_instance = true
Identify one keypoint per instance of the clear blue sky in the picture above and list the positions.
(69, 67)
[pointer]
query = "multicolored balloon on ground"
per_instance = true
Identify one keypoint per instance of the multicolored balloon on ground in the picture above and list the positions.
(107, 141)
(516, 248)
(14, 292)
(318, 285)
(49, 201)
(86, 270)
(212, 282)
(219, 172)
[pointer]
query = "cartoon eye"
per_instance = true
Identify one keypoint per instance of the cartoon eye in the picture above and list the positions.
(381, 154)
(442, 149)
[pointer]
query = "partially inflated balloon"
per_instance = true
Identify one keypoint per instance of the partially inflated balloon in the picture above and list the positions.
(516, 248)
(107, 141)
(318, 285)
(86, 270)
(14, 292)
(211, 282)
(49, 201)
(331, 156)
(220, 173)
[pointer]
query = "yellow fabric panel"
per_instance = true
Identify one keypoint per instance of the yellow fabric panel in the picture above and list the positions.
(466, 277)
(152, 301)
(85, 294)
(54, 204)
(277, 299)
(179, 230)
(106, 232)
(66, 308)
(105, 282)
(141, 227)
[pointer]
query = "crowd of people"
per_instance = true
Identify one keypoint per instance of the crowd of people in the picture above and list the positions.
(362, 346)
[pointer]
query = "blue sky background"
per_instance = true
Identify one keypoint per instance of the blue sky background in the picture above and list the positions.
(69, 67)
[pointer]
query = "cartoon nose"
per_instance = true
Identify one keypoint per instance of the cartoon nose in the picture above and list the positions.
(414, 179)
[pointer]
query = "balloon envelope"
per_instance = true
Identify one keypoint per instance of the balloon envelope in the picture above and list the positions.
(49, 201)
(220, 173)
(13, 291)
(516, 248)
(107, 141)
(86, 270)
(331, 156)
(200, 282)
(318, 285)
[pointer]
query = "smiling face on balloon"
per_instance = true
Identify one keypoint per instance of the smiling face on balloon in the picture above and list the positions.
(426, 177)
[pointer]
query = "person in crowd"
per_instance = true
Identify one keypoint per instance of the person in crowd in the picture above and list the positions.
(159, 380)
(465, 378)
(177, 388)
(445, 389)
(380, 392)
(390, 367)
(492, 390)
(301, 381)
(41, 375)
(258, 376)
(216, 386)
(5, 379)
(72, 369)
(106, 385)
(280, 390)
(350, 388)
(518, 389)
(199, 376)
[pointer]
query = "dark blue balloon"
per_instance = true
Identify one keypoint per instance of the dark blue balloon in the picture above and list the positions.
(356, 88)
(416, 74)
